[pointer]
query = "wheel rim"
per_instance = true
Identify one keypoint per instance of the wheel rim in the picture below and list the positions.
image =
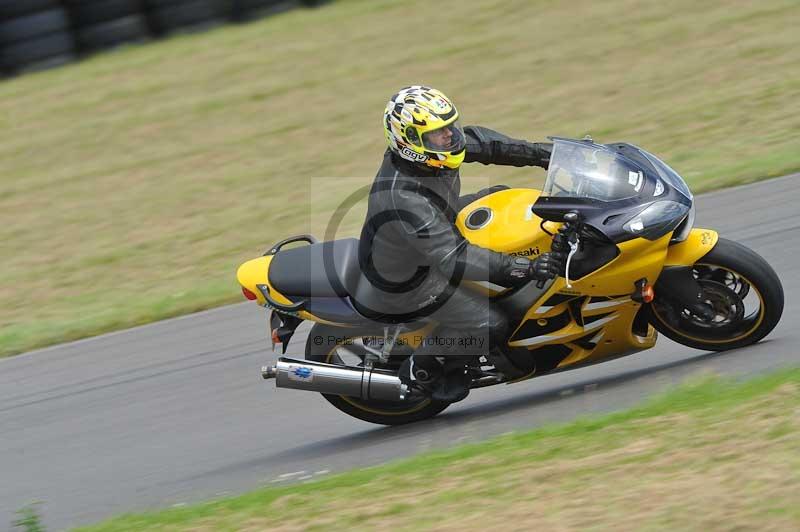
(352, 355)
(737, 304)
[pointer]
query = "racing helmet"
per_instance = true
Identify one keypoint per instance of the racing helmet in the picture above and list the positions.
(422, 126)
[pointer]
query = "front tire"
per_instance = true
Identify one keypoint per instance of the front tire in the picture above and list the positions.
(742, 288)
(379, 412)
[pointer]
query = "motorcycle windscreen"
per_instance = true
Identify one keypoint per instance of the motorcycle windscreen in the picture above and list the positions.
(589, 171)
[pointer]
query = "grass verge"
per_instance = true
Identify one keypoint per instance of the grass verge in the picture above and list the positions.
(135, 182)
(712, 455)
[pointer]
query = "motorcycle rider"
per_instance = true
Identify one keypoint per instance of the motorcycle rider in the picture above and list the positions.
(412, 252)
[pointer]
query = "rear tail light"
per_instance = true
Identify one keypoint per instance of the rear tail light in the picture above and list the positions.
(248, 294)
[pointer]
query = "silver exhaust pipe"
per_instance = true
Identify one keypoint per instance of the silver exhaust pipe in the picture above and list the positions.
(376, 384)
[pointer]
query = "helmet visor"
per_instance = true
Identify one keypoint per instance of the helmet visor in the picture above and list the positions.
(449, 138)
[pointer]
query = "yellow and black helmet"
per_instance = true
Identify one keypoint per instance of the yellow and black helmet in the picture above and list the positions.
(422, 126)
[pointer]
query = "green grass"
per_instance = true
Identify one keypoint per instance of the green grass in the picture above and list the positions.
(134, 183)
(712, 455)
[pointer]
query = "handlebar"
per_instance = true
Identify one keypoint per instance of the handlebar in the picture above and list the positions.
(566, 241)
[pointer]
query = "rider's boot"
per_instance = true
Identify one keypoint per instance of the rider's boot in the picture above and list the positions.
(448, 381)
(453, 385)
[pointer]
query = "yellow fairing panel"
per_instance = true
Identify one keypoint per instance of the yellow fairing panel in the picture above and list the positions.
(254, 272)
(608, 321)
(513, 228)
(694, 248)
(637, 259)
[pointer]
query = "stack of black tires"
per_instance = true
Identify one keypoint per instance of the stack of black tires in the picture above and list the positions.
(168, 16)
(40, 33)
(100, 24)
(242, 10)
(34, 34)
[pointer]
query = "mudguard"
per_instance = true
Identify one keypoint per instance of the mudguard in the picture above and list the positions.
(695, 247)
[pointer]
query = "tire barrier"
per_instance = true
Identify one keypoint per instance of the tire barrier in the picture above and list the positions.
(87, 13)
(168, 16)
(244, 10)
(99, 24)
(113, 33)
(34, 35)
(10, 9)
(37, 34)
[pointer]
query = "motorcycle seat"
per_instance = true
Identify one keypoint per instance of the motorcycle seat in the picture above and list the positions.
(325, 269)
(328, 278)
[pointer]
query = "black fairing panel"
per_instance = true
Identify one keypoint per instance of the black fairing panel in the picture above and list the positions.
(592, 256)
(682, 231)
(609, 217)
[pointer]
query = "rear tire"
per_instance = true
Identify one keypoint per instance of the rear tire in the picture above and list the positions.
(731, 270)
(379, 412)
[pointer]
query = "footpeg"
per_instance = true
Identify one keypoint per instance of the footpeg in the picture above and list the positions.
(269, 372)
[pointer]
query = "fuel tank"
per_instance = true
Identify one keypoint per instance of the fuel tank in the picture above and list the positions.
(505, 222)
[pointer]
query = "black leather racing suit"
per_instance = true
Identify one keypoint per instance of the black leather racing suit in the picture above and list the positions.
(414, 256)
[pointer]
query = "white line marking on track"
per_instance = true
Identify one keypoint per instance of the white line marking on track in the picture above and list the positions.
(290, 475)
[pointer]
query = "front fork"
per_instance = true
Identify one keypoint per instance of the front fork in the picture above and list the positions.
(677, 284)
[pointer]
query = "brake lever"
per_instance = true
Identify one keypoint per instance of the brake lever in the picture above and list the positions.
(571, 227)
(573, 248)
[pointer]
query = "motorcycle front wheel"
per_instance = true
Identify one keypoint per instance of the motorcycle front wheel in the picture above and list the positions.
(744, 292)
(348, 350)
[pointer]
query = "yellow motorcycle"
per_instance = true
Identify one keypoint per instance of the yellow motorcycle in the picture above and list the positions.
(635, 266)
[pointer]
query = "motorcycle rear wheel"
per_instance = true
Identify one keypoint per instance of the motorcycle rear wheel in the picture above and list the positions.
(742, 288)
(379, 412)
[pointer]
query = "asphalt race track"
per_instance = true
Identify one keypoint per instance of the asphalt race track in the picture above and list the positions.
(177, 412)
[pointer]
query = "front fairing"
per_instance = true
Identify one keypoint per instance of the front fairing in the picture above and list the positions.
(620, 190)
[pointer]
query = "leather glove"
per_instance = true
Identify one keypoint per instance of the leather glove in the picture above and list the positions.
(548, 266)
(545, 267)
